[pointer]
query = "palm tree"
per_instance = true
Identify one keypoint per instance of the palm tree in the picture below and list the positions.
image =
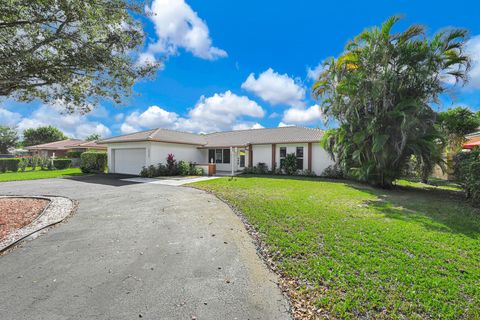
(379, 91)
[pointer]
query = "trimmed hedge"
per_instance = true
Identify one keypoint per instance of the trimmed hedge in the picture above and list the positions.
(9, 164)
(62, 163)
(93, 162)
(74, 154)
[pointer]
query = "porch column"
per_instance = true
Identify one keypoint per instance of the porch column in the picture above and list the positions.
(310, 156)
(250, 156)
(274, 154)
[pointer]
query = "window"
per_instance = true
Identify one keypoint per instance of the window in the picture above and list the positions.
(219, 155)
(211, 155)
(299, 154)
(226, 155)
(283, 154)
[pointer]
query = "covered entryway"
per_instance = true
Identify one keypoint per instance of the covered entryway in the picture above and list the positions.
(129, 161)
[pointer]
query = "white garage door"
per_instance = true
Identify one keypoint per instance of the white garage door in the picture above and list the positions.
(129, 161)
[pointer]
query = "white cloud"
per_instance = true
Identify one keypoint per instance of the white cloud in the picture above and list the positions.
(303, 116)
(73, 125)
(473, 49)
(222, 111)
(282, 124)
(119, 117)
(9, 118)
(153, 117)
(313, 74)
(247, 125)
(126, 128)
(276, 88)
(178, 26)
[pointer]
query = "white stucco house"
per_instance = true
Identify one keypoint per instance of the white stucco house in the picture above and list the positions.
(228, 150)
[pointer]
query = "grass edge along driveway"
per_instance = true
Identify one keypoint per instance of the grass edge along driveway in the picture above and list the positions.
(404, 253)
(39, 174)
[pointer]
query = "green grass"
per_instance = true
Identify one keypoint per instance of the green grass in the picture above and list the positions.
(392, 254)
(433, 184)
(39, 174)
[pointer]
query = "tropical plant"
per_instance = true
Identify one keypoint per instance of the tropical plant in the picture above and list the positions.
(8, 139)
(70, 51)
(40, 135)
(172, 165)
(379, 91)
(290, 164)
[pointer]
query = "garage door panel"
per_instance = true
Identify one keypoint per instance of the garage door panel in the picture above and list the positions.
(129, 161)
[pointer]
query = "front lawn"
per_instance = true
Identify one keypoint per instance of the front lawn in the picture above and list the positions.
(363, 252)
(39, 174)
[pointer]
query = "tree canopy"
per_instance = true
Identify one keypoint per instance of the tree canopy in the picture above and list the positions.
(40, 135)
(8, 139)
(93, 137)
(456, 123)
(379, 91)
(70, 51)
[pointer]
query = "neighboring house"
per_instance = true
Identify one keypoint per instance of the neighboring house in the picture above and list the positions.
(60, 148)
(473, 140)
(228, 150)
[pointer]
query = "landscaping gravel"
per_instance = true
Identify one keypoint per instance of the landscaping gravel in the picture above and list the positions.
(15, 213)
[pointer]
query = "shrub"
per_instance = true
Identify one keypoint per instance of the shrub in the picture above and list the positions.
(172, 166)
(194, 171)
(74, 154)
(333, 172)
(62, 163)
(162, 170)
(93, 162)
(149, 172)
(261, 168)
(307, 173)
(23, 164)
(290, 164)
(467, 172)
(197, 172)
(9, 164)
(34, 163)
(45, 163)
(184, 168)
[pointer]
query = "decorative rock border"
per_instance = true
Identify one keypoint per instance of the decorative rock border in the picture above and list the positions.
(56, 211)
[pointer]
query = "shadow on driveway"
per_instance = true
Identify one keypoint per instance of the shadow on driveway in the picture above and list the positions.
(113, 180)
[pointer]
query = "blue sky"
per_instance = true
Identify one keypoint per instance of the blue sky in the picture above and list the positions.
(244, 64)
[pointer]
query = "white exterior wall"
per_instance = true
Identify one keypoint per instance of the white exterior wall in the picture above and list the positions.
(292, 148)
(157, 152)
(320, 159)
(262, 153)
(160, 150)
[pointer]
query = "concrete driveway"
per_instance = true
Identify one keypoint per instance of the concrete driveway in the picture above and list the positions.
(133, 251)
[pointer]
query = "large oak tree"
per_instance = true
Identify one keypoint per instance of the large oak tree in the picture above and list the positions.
(72, 51)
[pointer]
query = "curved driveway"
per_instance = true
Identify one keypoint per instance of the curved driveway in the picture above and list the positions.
(136, 251)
